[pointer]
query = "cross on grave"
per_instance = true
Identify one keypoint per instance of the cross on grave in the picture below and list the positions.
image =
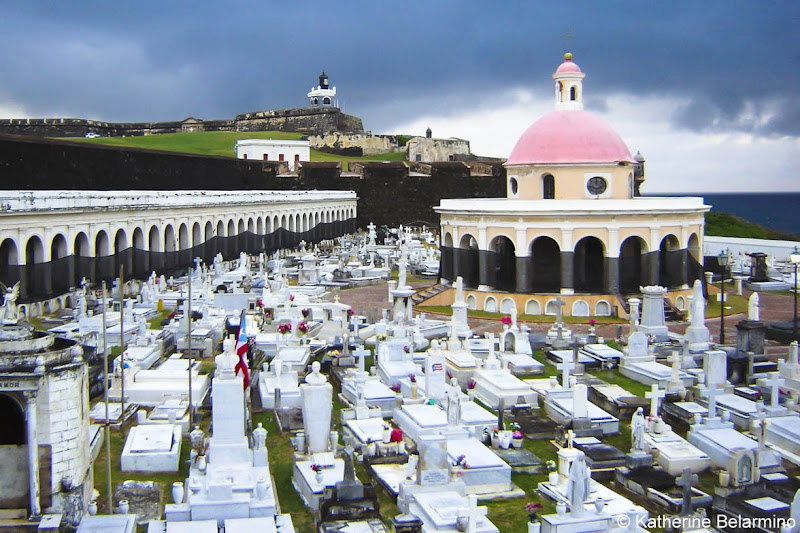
(559, 310)
(711, 393)
(474, 513)
(654, 395)
(371, 226)
(774, 383)
(197, 261)
(762, 430)
(570, 436)
(685, 481)
(565, 366)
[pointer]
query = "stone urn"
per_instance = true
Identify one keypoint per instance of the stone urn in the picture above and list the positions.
(599, 504)
(552, 478)
(319, 477)
(201, 463)
(177, 492)
(92, 508)
(124, 507)
(561, 508)
(724, 478)
(262, 485)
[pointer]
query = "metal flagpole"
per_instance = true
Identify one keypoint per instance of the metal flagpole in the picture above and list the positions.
(122, 348)
(105, 395)
(189, 344)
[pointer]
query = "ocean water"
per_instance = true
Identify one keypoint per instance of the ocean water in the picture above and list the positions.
(778, 211)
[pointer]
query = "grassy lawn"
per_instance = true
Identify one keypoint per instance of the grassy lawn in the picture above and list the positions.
(221, 143)
(733, 303)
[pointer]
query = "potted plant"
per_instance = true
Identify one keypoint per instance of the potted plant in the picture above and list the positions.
(414, 387)
(506, 320)
(284, 328)
(533, 509)
(552, 472)
(516, 438)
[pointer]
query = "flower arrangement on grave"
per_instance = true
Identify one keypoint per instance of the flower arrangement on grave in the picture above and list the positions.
(316, 468)
(551, 466)
(350, 313)
(395, 387)
(397, 435)
(291, 297)
(517, 432)
(533, 509)
(302, 327)
(284, 328)
(592, 322)
(406, 348)
(461, 461)
(506, 320)
(431, 401)
(268, 314)
(412, 378)
(259, 303)
(334, 353)
(381, 337)
(471, 383)
(306, 312)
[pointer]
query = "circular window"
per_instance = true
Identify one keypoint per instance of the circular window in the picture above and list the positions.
(596, 185)
(513, 183)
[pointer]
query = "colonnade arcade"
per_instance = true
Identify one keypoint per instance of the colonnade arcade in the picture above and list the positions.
(543, 265)
(50, 256)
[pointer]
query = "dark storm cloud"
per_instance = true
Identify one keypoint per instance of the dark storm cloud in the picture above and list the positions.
(735, 63)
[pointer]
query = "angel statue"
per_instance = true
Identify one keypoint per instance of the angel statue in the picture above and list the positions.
(8, 312)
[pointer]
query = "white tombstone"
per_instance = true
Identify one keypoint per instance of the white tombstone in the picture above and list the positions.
(752, 308)
(435, 383)
(638, 345)
(317, 395)
(580, 401)
(654, 396)
(653, 321)
(715, 367)
(697, 333)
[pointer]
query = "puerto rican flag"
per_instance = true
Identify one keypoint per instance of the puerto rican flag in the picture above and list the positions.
(241, 351)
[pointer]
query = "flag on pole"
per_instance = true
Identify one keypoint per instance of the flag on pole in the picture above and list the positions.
(241, 351)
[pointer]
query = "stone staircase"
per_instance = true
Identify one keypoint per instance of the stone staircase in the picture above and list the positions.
(430, 292)
(671, 313)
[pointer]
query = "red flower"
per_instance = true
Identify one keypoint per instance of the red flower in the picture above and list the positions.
(471, 383)
(506, 320)
(396, 435)
(302, 327)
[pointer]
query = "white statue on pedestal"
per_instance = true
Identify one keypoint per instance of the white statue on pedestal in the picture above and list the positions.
(752, 308)
(638, 425)
(314, 377)
(579, 484)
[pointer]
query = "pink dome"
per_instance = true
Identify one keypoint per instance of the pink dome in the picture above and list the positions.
(568, 66)
(569, 136)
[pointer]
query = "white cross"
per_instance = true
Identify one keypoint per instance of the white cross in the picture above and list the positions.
(474, 514)
(774, 383)
(654, 395)
(711, 393)
(565, 366)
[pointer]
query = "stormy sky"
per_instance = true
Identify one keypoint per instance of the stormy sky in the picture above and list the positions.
(709, 91)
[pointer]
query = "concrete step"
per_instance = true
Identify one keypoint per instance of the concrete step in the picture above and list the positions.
(11, 514)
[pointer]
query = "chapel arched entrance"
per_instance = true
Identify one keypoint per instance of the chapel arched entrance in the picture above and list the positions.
(589, 265)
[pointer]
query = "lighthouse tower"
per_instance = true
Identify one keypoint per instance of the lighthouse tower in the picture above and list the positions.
(322, 94)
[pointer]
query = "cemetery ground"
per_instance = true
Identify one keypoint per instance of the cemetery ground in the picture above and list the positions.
(508, 515)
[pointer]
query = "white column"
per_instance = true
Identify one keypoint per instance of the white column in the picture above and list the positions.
(33, 452)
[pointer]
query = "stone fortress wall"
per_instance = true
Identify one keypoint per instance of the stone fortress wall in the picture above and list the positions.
(304, 120)
(390, 193)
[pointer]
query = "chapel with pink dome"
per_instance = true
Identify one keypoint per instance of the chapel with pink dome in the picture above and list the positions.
(572, 222)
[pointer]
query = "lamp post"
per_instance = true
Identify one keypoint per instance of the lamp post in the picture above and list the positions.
(795, 258)
(722, 258)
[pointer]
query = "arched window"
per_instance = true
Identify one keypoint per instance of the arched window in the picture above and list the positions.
(573, 93)
(548, 187)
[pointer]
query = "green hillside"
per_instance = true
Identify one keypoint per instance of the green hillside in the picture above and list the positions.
(727, 225)
(221, 143)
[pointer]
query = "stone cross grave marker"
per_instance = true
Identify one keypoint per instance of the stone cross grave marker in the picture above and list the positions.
(565, 366)
(774, 383)
(560, 311)
(654, 396)
(685, 481)
(711, 393)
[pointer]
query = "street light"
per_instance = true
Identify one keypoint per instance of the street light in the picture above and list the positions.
(722, 258)
(795, 258)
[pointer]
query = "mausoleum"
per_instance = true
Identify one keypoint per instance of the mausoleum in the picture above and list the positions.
(573, 221)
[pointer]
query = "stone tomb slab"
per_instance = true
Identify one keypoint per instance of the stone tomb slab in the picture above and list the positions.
(558, 356)
(261, 524)
(152, 448)
(487, 473)
(492, 386)
(365, 430)
(439, 511)
(306, 484)
(718, 443)
(561, 410)
(767, 504)
(674, 454)
(783, 432)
